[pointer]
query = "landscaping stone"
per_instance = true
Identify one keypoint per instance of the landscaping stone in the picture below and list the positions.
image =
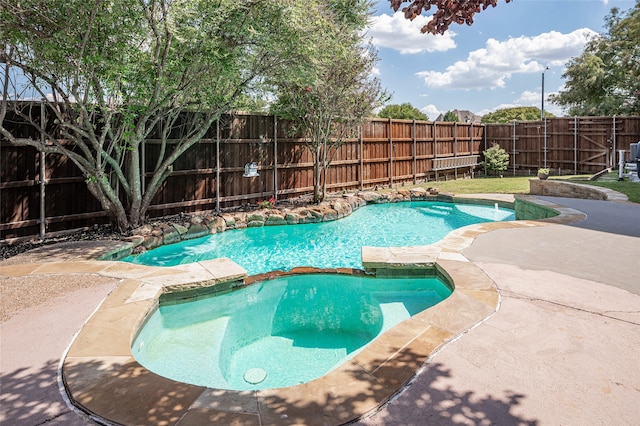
(370, 196)
(229, 221)
(217, 224)
(152, 241)
(255, 216)
(170, 235)
(274, 217)
(198, 225)
(292, 218)
(180, 228)
(197, 230)
(417, 193)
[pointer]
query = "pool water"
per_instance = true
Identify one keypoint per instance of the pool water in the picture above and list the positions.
(328, 244)
(279, 332)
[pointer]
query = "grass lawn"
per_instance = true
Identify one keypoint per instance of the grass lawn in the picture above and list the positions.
(520, 185)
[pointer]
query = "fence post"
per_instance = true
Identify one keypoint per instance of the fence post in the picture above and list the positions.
(471, 144)
(455, 149)
(514, 147)
(575, 145)
(415, 154)
(275, 157)
(484, 137)
(614, 139)
(218, 165)
(43, 218)
(360, 131)
(545, 141)
(390, 152)
(435, 146)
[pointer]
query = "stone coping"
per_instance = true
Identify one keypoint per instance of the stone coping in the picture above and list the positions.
(102, 378)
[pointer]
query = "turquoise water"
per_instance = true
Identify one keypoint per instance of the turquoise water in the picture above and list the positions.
(328, 244)
(291, 329)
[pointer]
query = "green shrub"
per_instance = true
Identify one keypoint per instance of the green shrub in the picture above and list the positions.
(496, 159)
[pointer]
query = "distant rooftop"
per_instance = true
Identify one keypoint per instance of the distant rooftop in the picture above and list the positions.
(464, 116)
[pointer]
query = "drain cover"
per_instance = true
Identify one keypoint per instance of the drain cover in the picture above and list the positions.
(255, 375)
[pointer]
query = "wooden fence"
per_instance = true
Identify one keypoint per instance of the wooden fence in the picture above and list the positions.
(42, 195)
(46, 194)
(573, 145)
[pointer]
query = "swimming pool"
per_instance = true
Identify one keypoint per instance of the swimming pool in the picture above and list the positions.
(328, 244)
(280, 332)
(290, 330)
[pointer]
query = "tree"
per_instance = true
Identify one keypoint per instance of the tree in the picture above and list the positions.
(334, 91)
(404, 111)
(113, 76)
(605, 79)
(495, 159)
(507, 115)
(451, 117)
(448, 12)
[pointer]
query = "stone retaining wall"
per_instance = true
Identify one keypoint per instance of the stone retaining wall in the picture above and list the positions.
(559, 188)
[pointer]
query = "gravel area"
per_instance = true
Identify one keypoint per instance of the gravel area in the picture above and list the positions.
(97, 233)
(19, 293)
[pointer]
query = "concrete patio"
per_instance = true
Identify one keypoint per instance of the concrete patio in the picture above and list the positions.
(562, 347)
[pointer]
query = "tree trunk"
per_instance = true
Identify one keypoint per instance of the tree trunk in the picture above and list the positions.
(115, 211)
(325, 166)
(318, 195)
(135, 185)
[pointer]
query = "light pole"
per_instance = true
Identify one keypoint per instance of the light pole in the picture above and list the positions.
(543, 120)
(542, 104)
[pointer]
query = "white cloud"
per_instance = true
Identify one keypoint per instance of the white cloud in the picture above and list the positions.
(397, 33)
(491, 66)
(529, 98)
(431, 111)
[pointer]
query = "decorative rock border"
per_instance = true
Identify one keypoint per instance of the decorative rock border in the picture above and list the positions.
(194, 226)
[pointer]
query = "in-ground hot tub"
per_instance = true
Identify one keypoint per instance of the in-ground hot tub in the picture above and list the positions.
(279, 332)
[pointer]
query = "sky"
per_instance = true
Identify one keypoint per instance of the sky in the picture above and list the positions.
(497, 62)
